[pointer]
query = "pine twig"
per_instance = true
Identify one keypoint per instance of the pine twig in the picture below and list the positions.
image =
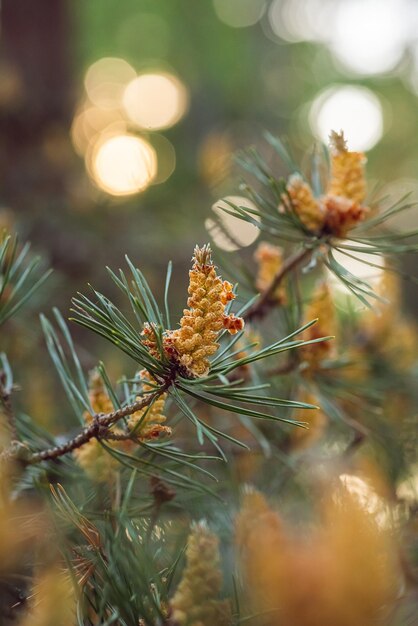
(266, 301)
(97, 429)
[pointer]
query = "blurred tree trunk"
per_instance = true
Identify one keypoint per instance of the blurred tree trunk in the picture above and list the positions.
(38, 167)
(35, 98)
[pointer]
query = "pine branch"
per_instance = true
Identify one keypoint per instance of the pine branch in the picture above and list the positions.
(261, 307)
(97, 429)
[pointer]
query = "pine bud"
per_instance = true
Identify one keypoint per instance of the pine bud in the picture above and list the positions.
(196, 602)
(98, 464)
(148, 423)
(99, 398)
(195, 340)
(149, 340)
(52, 601)
(321, 307)
(304, 204)
(347, 171)
(270, 261)
(341, 570)
(342, 214)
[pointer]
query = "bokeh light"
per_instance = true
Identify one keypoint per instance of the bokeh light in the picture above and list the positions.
(123, 164)
(215, 158)
(355, 109)
(368, 498)
(239, 13)
(369, 36)
(155, 101)
(228, 232)
(166, 158)
(407, 489)
(90, 122)
(106, 80)
(301, 20)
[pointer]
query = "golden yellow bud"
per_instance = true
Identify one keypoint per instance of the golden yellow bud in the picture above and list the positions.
(270, 261)
(195, 340)
(196, 601)
(302, 201)
(148, 423)
(347, 171)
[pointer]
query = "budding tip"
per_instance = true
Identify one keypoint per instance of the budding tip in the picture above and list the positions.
(202, 255)
(338, 141)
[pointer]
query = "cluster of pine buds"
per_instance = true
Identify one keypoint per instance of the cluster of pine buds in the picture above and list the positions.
(320, 307)
(144, 425)
(52, 601)
(190, 345)
(270, 261)
(377, 326)
(196, 601)
(342, 570)
(342, 206)
(98, 464)
(148, 423)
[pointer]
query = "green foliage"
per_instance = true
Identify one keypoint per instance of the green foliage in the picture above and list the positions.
(19, 276)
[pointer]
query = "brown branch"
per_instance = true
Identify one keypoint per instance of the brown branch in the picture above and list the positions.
(266, 300)
(6, 400)
(97, 429)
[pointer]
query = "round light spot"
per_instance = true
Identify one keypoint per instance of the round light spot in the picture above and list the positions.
(239, 13)
(106, 80)
(90, 122)
(123, 164)
(369, 36)
(155, 101)
(166, 157)
(356, 110)
(301, 20)
(229, 232)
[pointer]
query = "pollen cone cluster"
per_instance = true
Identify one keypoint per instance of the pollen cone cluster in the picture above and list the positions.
(341, 571)
(321, 307)
(196, 602)
(342, 206)
(149, 340)
(98, 464)
(270, 261)
(347, 171)
(195, 340)
(386, 330)
(52, 601)
(304, 204)
(148, 423)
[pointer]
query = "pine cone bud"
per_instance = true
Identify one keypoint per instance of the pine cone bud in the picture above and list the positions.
(195, 340)
(196, 602)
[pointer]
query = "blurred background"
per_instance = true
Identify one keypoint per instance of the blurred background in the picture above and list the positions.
(119, 119)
